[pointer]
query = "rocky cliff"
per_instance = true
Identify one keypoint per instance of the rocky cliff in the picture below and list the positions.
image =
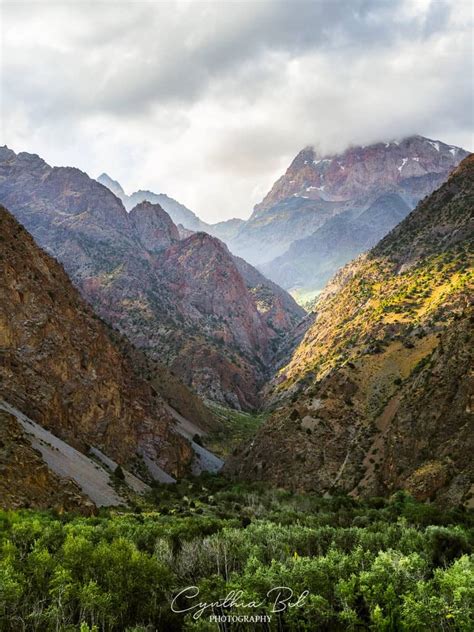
(61, 367)
(153, 227)
(378, 396)
(241, 318)
(326, 209)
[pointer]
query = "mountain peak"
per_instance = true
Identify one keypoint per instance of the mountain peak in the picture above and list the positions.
(319, 186)
(6, 153)
(111, 184)
(154, 227)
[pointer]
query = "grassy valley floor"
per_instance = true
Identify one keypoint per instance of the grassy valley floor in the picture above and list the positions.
(236, 428)
(376, 565)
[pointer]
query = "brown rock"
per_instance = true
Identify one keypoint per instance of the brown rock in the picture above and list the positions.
(60, 366)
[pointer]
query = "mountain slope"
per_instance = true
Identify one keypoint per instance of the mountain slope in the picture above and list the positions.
(160, 292)
(385, 179)
(225, 230)
(274, 304)
(205, 284)
(26, 480)
(378, 395)
(335, 243)
(61, 367)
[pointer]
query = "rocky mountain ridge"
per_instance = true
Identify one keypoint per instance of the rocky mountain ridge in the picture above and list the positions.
(178, 212)
(326, 209)
(378, 396)
(206, 324)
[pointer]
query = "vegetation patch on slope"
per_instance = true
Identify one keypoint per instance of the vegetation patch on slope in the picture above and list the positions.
(236, 427)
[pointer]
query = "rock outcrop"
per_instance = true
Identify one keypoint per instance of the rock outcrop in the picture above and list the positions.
(153, 227)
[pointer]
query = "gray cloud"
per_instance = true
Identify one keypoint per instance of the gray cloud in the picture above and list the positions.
(200, 99)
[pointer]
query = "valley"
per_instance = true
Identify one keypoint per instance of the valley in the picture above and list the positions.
(236, 316)
(168, 410)
(218, 363)
(378, 393)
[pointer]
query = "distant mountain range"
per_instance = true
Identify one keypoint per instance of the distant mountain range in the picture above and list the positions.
(186, 302)
(378, 396)
(325, 210)
(179, 213)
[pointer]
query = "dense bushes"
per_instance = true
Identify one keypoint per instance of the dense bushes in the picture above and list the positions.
(382, 565)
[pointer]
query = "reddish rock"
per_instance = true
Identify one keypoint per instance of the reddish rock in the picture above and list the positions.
(167, 296)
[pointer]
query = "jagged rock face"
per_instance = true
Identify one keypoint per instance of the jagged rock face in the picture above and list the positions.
(26, 481)
(361, 170)
(153, 226)
(245, 315)
(321, 198)
(61, 368)
(205, 283)
(274, 304)
(378, 395)
(167, 296)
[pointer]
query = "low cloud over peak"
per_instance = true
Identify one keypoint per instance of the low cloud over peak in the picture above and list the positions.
(210, 101)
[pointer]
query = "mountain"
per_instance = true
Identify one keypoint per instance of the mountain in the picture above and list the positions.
(184, 302)
(272, 301)
(203, 285)
(114, 186)
(326, 209)
(339, 240)
(64, 369)
(153, 226)
(276, 305)
(378, 395)
(179, 213)
(225, 230)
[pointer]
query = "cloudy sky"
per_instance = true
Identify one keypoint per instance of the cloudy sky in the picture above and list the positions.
(210, 101)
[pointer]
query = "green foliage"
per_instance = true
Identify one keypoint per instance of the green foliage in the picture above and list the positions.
(236, 429)
(119, 474)
(375, 565)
